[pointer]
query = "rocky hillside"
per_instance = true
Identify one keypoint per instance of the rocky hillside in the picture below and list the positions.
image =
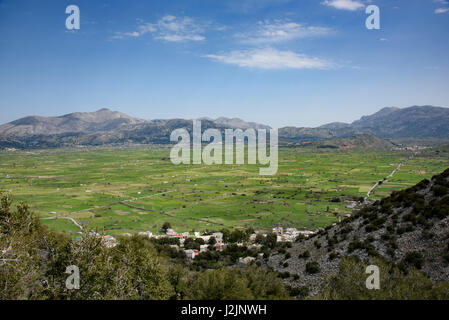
(104, 126)
(416, 122)
(409, 228)
(149, 132)
(86, 122)
(237, 123)
(357, 142)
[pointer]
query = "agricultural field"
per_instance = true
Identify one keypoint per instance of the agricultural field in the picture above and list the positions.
(130, 189)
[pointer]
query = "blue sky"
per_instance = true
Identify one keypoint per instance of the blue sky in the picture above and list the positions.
(279, 62)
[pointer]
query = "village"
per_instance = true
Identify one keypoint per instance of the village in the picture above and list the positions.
(212, 241)
(191, 244)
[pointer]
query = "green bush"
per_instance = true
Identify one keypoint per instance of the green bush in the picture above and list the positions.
(414, 259)
(312, 267)
(349, 283)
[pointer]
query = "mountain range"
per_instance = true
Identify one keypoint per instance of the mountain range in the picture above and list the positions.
(104, 127)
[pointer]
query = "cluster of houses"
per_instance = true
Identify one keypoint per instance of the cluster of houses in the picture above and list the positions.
(192, 253)
(287, 235)
(290, 234)
(108, 241)
(409, 148)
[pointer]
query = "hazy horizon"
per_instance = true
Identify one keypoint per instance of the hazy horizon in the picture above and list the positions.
(207, 116)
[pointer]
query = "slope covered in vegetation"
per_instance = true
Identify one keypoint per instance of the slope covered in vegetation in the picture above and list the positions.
(406, 231)
(33, 261)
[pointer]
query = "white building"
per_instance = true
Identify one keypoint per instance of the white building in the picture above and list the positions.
(307, 233)
(252, 237)
(246, 261)
(190, 253)
(171, 233)
(185, 235)
(205, 238)
(147, 234)
(109, 241)
(218, 236)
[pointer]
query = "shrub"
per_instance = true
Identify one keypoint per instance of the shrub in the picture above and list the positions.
(312, 267)
(415, 259)
(333, 255)
(304, 291)
(440, 191)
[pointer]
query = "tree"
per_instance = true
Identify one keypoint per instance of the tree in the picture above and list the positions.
(259, 238)
(312, 267)
(166, 226)
(235, 284)
(270, 240)
(190, 243)
(350, 283)
(33, 261)
(212, 241)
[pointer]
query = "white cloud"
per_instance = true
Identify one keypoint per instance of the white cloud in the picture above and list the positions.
(278, 30)
(351, 5)
(441, 10)
(122, 35)
(270, 58)
(168, 28)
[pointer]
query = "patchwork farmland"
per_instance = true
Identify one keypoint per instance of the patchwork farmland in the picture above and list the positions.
(120, 190)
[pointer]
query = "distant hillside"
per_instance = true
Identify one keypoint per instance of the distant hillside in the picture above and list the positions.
(357, 142)
(413, 123)
(157, 132)
(335, 125)
(101, 120)
(104, 126)
(294, 134)
(236, 123)
(410, 228)
(416, 122)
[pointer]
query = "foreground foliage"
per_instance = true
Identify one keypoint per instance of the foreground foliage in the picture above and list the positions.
(33, 262)
(394, 283)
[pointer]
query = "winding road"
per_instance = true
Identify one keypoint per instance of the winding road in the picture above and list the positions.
(387, 177)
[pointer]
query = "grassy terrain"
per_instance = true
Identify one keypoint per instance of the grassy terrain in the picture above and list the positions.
(137, 188)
